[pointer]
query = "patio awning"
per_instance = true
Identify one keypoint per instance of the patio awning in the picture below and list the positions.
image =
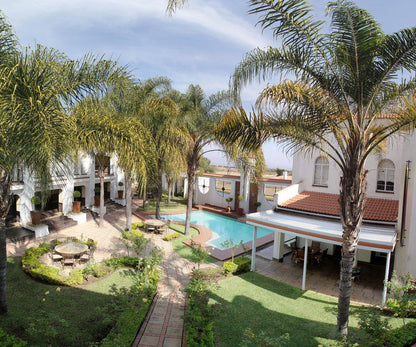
(373, 237)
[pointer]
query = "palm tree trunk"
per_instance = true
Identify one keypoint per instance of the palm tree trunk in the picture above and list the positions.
(144, 196)
(3, 265)
(5, 201)
(159, 190)
(128, 200)
(191, 172)
(352, 200)
(101, 174)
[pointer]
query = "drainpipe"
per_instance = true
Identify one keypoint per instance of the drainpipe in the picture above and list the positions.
(404, 205)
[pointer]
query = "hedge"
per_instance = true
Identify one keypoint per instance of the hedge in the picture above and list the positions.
(10, 340)
(400, 337)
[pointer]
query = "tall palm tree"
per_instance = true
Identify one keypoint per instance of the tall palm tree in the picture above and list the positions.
(342, 80)
(160, 116)
(135, 151)
(37, 88)
(200, 116)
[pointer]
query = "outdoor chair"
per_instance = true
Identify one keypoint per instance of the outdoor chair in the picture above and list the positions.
(56, 257)
(68, 262)
(85, 258)
(320, 256)
(300, 255)
(315, 247)
(150, 229)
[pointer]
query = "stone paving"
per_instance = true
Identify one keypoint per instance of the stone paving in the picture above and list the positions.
(163, 325)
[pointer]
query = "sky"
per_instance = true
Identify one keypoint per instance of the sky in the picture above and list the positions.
(199, 44)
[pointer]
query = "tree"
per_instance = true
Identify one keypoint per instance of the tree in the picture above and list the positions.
(37, 87)
(200, 116)
(205, 165)
(160, 116)
(342, 81)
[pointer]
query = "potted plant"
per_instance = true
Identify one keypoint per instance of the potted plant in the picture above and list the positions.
(229, 199)
(257, 204)
(120, 191)
(97, 197)
(36, 213)
(240, 210)
(76, 205)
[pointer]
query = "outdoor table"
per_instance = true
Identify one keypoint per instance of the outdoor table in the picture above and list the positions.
(155, 223)
(71, 249)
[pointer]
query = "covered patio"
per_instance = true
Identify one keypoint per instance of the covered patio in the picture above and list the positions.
(374, 237)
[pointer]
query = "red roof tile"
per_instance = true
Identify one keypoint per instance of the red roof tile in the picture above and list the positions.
(323, 203)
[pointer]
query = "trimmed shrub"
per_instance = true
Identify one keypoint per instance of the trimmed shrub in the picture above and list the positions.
(229, 267)
(125, 329)
(122, 261)
(400, 337)
(243, 264)
(137, 225)
(172, 236)
(10, 341)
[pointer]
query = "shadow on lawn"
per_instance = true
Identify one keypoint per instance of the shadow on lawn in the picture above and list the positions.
(66, 316)
(244, 312)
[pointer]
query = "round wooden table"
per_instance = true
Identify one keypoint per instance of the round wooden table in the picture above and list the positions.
(156, 224)
(71, 249)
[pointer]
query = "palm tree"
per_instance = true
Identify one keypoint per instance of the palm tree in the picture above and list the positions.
(160, 116)
(200, 116)
(135, 149)
(342, 80)
(105, 127)
(37, 87)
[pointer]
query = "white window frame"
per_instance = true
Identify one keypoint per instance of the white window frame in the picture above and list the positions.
(385, 175)
(321, 172)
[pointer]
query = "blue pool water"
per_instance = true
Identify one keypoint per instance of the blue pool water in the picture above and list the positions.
(223, 228)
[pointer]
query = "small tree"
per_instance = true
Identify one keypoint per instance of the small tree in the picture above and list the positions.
(199, 253)
(230, 244)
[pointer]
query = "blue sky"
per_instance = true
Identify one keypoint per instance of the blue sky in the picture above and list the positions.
(200, 44)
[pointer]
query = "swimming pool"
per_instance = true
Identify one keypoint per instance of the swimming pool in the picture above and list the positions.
(223, 228)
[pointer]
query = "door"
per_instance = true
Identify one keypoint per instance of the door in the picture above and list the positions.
(237, 193)
(253, 197)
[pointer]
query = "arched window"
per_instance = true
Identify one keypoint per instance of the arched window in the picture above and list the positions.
(385, 176)
(223, 187)
(321, 172)
(203, 184)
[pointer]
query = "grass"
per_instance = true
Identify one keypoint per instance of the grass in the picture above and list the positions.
(69, 316)
(265, 305)
(183, 250)
(176, 204)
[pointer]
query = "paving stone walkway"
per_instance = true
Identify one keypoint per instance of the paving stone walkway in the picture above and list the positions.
(163, 325)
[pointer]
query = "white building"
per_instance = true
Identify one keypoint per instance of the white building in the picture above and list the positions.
(83, 178)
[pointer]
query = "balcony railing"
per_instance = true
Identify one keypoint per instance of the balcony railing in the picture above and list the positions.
(17, 175)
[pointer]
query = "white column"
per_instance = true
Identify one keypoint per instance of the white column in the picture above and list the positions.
(278, 245)
(305, 264)
(386, 278)
(253, 250)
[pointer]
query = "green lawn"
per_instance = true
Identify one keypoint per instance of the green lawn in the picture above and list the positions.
(262, 304)
(176, 204)
(183, 250)
(74, 316)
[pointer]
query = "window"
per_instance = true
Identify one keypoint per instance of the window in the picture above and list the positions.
(270, 190)
(321, 172)
(223, 187)
(203, 185)
(385, 176)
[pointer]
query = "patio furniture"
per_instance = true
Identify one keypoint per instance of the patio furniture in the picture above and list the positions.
(300, 255)
(56, 257)
(68, 262)
(356, 272)
(155, 225)
(71, 249)
(320, 256)
(85, 258)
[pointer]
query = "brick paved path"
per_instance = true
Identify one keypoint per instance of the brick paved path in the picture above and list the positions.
(163, 325)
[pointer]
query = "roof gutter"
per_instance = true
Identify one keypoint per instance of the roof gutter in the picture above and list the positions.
(404, 205)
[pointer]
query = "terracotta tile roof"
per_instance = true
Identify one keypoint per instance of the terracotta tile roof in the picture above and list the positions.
(323, 203)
